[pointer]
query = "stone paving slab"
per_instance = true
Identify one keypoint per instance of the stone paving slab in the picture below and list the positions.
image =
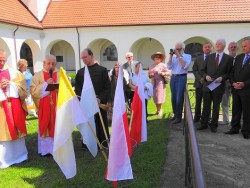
(225, 158)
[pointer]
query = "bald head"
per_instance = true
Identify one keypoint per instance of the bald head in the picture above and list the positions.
(49, 62)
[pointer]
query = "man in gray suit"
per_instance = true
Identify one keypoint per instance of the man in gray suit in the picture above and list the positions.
(199, 63)
(217, 68)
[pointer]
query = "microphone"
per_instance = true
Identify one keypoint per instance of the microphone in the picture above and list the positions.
(50, 73)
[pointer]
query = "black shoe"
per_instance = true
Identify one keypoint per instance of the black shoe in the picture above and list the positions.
(246, 136)
(176, 121)
(172, 118)
(213, 128)
(232, 132)
(202, 127)
(196, 119)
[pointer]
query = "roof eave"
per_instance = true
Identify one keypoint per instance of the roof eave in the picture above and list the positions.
(146, 24)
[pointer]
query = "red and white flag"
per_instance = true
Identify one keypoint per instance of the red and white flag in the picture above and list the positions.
(138, 130)
(119, 166)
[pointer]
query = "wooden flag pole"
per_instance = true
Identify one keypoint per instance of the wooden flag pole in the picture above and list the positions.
(105, 132)
(131, 118)
(98, 142)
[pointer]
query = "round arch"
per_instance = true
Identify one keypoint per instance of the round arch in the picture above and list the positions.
(105, 52)
(143, 49)
(6, 48)
(194, 45)
(30, 51)
(64, 53)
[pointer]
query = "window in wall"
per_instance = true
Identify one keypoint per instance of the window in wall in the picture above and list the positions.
(26, 53)
(194, 49)
(110, 53)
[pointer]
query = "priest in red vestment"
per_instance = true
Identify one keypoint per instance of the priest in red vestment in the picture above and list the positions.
(13, 113)
(45, 102)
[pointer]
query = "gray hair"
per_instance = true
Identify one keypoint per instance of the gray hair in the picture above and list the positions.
(223, 41)
(180, 44)
(246, 38)
(50, 56)
(2, 51)
(129, 54)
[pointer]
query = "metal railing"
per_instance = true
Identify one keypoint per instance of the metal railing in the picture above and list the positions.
(193, 171)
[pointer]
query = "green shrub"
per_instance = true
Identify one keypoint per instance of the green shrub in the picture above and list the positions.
(72, 76)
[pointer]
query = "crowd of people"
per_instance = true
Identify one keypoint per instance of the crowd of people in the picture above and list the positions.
(228, 73)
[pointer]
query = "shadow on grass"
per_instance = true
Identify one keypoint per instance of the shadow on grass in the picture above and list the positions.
(48, 174)
(147, 162)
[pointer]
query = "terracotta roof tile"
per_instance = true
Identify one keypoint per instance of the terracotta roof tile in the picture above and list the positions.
(14, 12)
(77, 13)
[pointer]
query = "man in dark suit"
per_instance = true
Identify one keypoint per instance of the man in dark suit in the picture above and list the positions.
(240, 80)
(199, 63)
(217, 68)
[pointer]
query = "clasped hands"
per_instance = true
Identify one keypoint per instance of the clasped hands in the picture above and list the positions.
(4, 83)
(238, 85)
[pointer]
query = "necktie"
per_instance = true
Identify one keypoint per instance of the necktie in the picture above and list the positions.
(245, 59)
(217, 60)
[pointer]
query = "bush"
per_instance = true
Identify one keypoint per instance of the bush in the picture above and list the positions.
(72, 76)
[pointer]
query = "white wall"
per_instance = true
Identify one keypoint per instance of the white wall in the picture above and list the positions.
(134, 38)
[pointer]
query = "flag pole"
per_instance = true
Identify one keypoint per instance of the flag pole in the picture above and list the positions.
(104, 130)
(98, 142)
(131, 119)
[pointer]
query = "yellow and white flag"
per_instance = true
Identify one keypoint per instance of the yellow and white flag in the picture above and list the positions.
(68, 116)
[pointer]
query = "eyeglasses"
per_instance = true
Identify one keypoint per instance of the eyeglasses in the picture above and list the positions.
(129, 56)
(178, 49)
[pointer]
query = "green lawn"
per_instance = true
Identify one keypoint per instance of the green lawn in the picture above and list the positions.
(147, 161)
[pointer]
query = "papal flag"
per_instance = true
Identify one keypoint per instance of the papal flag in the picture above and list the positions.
(68, 116)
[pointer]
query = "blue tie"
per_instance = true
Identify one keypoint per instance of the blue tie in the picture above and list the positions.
(245, 59)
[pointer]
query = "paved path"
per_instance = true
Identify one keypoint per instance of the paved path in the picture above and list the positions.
(225, 159)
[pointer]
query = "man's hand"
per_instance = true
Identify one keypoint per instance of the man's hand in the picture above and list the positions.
(98, 100)
(238, 85)
(209, 79)
(50, 81)
(4, 83)
(202, 80)
(218, 80)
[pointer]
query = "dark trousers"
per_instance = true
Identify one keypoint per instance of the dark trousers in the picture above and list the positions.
(99, 129)
(241, 104)
(198, 101)
(177, 86)
(211, 97)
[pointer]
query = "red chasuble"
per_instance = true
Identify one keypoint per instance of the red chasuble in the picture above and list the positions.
(47, 110)
(14, 113)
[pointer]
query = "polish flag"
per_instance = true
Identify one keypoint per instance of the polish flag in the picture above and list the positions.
(138, 130)
(119, 166)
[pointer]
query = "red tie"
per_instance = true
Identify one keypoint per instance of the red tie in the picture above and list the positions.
(217, 60)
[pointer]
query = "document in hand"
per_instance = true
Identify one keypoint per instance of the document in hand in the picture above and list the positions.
(52, 87)
(213, 85)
